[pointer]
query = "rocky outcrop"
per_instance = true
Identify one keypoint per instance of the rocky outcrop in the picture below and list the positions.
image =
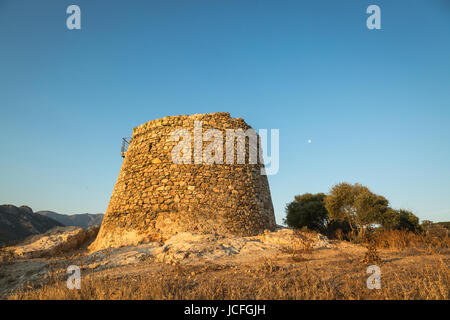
(83, 220)
(192, 248)
(17, 223)
(186, 247)
(57, 241)
(155, 198)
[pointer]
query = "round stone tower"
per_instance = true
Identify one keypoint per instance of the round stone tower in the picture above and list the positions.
(157, 196)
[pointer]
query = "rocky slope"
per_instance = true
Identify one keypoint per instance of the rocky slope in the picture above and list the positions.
(84, 220)
(53, 242)
(17, 223)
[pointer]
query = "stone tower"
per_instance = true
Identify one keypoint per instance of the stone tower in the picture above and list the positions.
(155, 198)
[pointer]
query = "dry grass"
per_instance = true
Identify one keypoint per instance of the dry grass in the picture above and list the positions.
(430, 282)
(413, 267)
(401, 240)
(345, 279)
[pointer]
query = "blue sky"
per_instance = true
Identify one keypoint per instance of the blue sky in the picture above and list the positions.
(376, 104)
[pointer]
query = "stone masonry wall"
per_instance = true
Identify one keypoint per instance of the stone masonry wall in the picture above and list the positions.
(155, 198)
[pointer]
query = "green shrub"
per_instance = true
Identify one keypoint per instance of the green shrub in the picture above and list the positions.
(307, 210)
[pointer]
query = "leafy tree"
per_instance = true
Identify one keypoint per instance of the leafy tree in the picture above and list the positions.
(390, 220)
(400, 220)
(408, 221)
(307, 210)
(338, 229)
(426, 223)
(356, 204)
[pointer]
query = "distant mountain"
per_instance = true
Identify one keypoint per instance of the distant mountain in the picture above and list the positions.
(17, 223)
(84, 220)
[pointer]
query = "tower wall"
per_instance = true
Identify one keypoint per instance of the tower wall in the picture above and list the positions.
(155, 198)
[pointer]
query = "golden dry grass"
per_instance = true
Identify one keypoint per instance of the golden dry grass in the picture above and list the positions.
(419, 270)
(401, 240)
(345, 282)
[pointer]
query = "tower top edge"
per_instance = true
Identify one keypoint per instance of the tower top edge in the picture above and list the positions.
(197, 116)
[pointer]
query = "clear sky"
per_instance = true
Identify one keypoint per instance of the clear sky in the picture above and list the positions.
(376, 104)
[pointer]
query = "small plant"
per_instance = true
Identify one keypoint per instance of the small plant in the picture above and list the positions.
(371, 256)
(269, 266)
(300, 246)
(6, 256)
